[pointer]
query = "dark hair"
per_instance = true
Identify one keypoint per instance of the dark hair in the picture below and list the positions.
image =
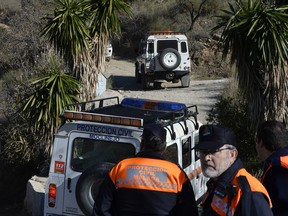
(154, 137)
(153, 143)
(273, 134)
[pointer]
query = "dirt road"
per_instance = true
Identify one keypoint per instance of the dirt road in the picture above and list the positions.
(203, 93)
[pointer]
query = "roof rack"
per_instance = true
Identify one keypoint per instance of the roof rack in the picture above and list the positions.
(131, 111)
(92, 104)
(164, 32)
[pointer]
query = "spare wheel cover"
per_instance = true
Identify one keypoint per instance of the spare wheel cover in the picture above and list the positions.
(170, 59)
(88, 185)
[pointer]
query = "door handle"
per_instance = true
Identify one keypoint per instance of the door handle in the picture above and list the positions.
(69, 180)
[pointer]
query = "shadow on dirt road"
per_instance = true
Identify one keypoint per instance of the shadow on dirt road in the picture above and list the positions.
(128, 83)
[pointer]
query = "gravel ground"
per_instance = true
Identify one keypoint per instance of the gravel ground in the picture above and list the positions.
(203, 93)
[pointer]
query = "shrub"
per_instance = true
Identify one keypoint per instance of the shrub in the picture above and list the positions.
(232, 111)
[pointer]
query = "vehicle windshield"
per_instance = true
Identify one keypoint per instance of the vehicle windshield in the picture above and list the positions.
(88, 152)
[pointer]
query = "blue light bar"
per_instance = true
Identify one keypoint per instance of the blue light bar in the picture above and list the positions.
(152, 104)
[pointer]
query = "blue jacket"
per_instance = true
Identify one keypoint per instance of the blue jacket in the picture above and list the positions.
(275, 179)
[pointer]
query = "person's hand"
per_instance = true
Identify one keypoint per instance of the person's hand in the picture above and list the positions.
(194, 173)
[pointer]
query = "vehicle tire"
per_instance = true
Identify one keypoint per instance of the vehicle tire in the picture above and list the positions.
(144, 79)
(157, 85)
(137, 72)
(185, 81)
(88, 185)
(170, 59)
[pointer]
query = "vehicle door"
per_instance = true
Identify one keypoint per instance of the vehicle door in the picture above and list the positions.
(86, 150)
(199, 182)
(181, 152)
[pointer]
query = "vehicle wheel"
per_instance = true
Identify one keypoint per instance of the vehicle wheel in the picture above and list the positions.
(157, 85)
(170, 59)
(144, 82)
(185, 80)
(144, 78)
(137, 72)
(88, 185)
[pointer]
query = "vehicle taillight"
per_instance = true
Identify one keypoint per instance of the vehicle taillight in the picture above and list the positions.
(52, 195)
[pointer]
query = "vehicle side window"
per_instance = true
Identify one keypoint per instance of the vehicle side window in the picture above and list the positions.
(196, 141)
(183, 47)
(171, 153)
(150, 48)
(87, 152)
(186, 152)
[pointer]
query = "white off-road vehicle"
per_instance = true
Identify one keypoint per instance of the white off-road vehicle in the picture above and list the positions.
(163, 56)
(97, 134)
(109, 52)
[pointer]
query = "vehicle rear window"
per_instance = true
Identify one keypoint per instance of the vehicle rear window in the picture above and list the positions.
(163, 44)
(87, 152)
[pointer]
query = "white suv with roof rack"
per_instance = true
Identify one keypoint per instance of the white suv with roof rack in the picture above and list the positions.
(97, 134)
(109, 52)
(163, 56)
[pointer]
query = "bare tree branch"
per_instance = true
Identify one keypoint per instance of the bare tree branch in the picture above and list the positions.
(190, 8)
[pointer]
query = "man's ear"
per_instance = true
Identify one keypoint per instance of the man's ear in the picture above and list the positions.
(260, 144)
(234, 153)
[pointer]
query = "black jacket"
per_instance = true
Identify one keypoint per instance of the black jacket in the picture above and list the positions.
(146, 185)
(275, 179)
(251, 203)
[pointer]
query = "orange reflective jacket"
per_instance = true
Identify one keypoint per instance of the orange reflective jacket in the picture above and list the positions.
(146, 185)
(148, 174)
(223, 206)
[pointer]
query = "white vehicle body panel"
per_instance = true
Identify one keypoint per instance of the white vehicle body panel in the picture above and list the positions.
(163, 57)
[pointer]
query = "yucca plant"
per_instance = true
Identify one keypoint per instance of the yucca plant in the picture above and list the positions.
(52, 92)
(255, 37)
(80, 30)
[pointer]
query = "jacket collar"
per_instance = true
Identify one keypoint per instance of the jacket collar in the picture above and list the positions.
(274, 158)
(150, 154)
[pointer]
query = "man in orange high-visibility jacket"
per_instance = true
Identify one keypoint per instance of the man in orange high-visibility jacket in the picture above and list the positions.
(271, 146)
(231, 189)
(147, 184)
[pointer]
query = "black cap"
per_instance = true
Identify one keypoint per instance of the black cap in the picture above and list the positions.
(153, 129)
(214, 137)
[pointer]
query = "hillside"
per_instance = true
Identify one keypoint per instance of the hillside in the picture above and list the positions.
(22, 25)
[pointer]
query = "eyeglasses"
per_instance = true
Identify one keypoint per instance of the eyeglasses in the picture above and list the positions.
(201, 153)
